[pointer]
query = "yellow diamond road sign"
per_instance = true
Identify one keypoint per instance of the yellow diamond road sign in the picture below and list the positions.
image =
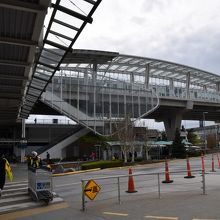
(91, 189)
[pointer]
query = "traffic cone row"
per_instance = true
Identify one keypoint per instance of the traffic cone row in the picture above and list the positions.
(131, 187)
(212, 163)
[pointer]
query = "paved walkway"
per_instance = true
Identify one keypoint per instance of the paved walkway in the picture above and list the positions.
(19, 171)
(187, 205)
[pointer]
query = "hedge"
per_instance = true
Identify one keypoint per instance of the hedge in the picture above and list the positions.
(101, 164)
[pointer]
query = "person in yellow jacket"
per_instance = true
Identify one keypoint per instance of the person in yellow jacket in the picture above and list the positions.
(5, 170)
(34, 161)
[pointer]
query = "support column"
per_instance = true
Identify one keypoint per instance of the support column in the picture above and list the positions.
(132, 78)
(147, 76)
(23, 143)
(94, 78)
(218, 87)
(171, 92)
(171, 123)
(187, 85)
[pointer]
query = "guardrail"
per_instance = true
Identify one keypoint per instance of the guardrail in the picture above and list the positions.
(115, 186)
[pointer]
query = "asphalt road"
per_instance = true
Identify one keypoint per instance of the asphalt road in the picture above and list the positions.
(183, 199)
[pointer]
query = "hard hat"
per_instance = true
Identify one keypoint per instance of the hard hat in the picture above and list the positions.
(34, 153)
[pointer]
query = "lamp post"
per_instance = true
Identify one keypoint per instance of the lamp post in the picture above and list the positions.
(216, 135)
(204, 131)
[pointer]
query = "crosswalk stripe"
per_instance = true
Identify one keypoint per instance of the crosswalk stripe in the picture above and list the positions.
(18, 182)
(15, 197)
(17, 185)
(115, 213)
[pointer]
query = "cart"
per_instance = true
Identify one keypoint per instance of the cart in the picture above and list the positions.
(40, 185)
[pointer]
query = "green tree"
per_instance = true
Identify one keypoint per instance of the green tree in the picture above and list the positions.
(193, 137)
(178, 149)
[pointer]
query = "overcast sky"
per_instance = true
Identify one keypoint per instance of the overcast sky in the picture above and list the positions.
(182, 31)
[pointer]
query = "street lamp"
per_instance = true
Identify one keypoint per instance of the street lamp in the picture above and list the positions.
(216, 135)
(204, 131)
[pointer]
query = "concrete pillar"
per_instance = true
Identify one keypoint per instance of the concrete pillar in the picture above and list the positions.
(132, 78)
(171, 92)
(147, 75)
(94, 78)
(187, 85)
(23, 141)
(218, 87)
(85, 78)
(94, 73)
(171, 123)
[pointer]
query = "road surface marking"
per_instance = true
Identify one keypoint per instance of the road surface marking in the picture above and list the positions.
(161, 217)
(115, 213)
(35, 211)
(203, 219)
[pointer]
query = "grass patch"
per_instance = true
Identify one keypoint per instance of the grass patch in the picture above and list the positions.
(101, 164)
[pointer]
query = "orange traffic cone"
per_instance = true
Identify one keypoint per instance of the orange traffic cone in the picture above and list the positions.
(130, 183)
(203, 164)
(189, 174)
(213, 165)
(167, 175)
(218, 162)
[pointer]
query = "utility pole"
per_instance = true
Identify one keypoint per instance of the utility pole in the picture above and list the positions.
(204, 131)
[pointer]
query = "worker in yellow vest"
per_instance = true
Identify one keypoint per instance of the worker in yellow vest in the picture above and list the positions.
(35, 161)
(5, 170)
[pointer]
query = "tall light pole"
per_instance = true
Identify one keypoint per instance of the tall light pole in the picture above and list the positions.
(216, 135)
(204, 131)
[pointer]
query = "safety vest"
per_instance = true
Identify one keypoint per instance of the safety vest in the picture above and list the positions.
(8, 170)
(35, 162)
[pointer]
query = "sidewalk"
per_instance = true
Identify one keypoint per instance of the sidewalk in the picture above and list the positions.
(19, 172)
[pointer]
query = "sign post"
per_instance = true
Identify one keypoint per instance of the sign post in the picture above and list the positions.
(91, 189)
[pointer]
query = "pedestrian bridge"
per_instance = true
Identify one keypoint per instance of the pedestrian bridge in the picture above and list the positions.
(97, 88)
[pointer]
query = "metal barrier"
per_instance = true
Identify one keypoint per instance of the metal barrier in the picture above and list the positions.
(115, 186)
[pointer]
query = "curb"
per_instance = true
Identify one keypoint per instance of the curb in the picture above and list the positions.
(74, 172)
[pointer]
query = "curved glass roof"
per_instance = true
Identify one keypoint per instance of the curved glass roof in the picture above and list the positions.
(159, 69)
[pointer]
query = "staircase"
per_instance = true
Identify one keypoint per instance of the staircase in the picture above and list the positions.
(15, 197)
(56, 148)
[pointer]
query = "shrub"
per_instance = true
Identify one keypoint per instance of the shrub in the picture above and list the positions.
(101, 164)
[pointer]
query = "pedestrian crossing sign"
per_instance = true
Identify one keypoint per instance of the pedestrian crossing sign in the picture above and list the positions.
(91, 189)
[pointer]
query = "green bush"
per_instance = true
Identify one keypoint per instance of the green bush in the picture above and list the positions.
(101, 164)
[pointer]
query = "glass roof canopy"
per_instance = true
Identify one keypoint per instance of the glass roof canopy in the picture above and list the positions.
(159, 69)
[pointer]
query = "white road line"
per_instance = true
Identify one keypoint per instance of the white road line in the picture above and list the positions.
(115, 213)
(203, 219)
(161, 217)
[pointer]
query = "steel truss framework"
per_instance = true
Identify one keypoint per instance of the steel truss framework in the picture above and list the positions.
(104, 87)
(65, 25)
(166, 78)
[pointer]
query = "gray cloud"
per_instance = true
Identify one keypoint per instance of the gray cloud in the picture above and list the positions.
(151, 5)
